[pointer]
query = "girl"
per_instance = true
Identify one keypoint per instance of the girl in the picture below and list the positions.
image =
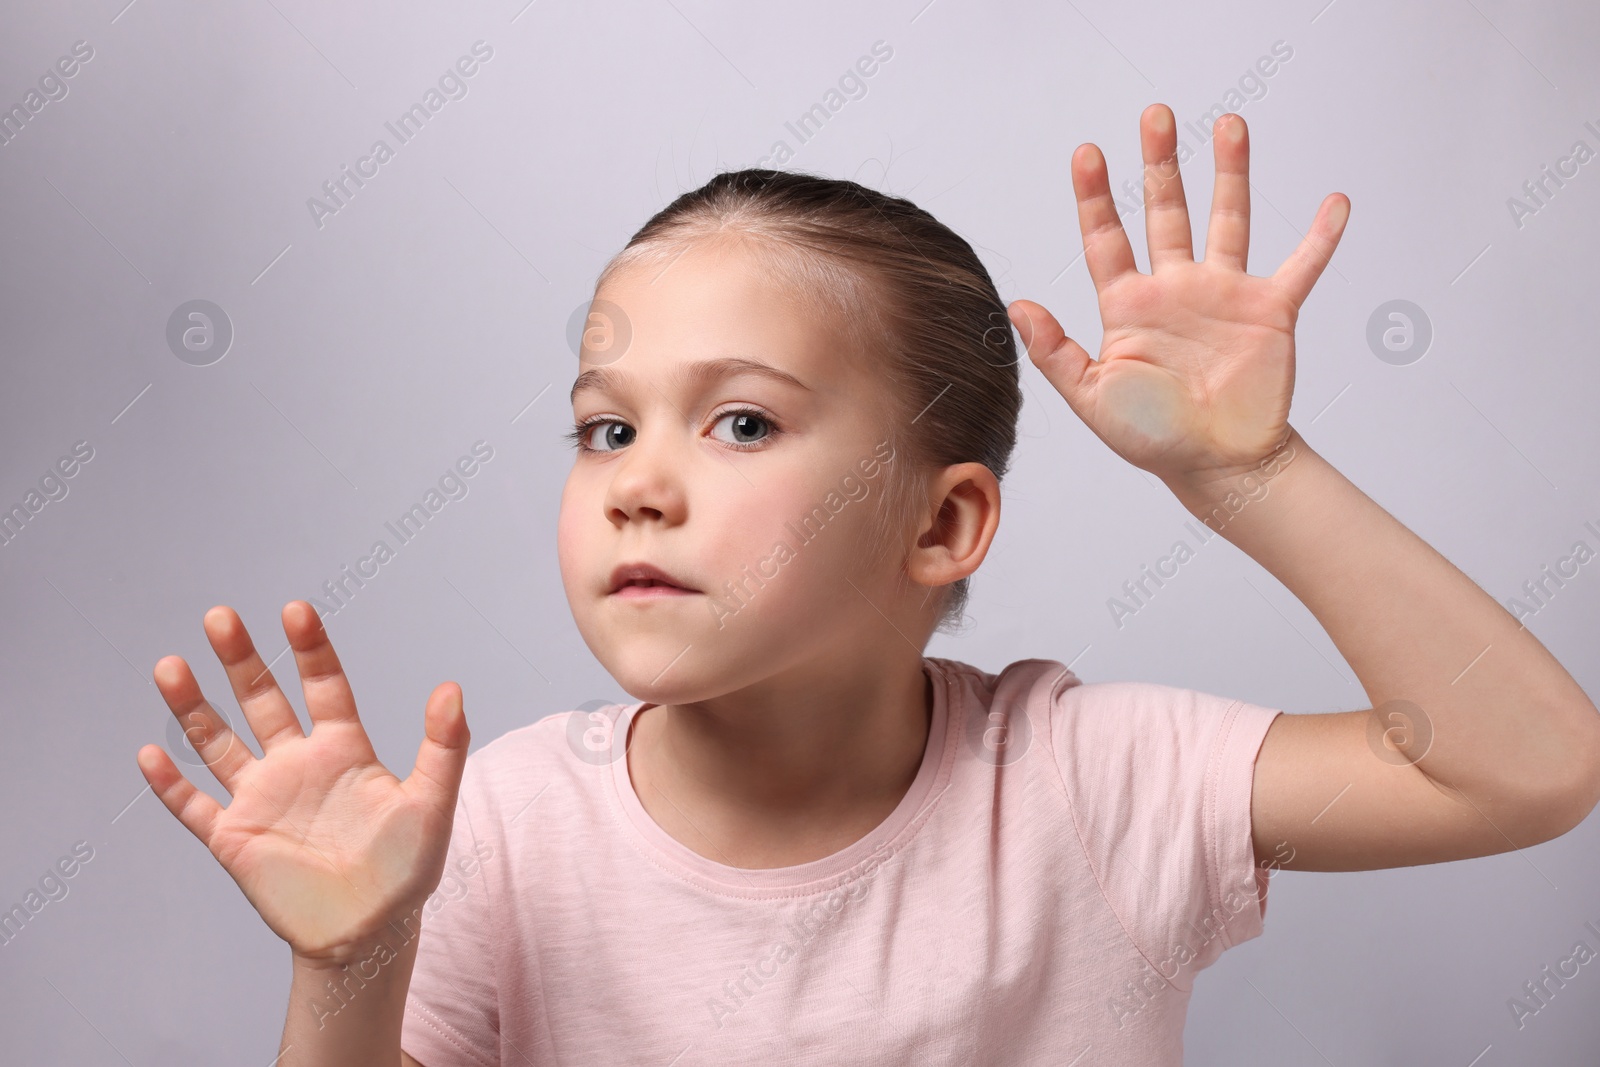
(808, 842)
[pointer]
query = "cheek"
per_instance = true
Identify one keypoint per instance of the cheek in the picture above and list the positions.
(737, 529)
(824, 547)
(570, 538)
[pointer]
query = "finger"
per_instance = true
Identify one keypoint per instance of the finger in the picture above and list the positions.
(224, 753)
(442, 757)
(322, 680)
(266, 709)
(1166, 212)
(1061, 359)
(196, 810)
(1305, 264)
(1105, 244)
(1228, 235)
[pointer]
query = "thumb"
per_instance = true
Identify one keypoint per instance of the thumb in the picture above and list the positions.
(1061, 359)
(442, 757)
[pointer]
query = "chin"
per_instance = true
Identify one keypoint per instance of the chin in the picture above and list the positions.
(650, 663)
(714, 665)
(643, 680)
(645, 652)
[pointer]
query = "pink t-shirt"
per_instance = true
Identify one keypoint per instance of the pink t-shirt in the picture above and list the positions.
(1066, 860)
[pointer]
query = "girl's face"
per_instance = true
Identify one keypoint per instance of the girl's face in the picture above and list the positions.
(740, 446)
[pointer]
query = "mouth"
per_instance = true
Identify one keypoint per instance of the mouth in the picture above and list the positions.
(644, 580)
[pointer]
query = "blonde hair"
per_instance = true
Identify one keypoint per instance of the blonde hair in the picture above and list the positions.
(903, 287)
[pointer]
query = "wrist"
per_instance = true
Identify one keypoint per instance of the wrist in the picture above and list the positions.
(1216, 497)
(395, 941)
(352, 1012)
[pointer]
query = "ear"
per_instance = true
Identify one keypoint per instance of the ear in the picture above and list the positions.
(963, 513)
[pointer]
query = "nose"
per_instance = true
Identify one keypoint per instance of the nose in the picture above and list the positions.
(647, 484)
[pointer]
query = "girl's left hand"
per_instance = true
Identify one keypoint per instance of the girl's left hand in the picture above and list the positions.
(1196, 366)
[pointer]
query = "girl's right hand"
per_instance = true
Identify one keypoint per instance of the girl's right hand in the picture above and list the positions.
(326, 844)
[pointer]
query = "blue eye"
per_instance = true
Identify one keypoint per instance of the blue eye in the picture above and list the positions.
(747, 421)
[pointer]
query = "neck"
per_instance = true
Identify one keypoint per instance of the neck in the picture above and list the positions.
(793, 771)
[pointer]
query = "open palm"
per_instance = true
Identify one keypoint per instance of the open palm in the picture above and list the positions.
(327, 845)
(1196, 366)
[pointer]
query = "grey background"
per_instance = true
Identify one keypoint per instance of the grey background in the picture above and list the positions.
(429, 313)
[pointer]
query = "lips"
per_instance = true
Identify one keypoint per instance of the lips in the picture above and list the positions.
(646, 576)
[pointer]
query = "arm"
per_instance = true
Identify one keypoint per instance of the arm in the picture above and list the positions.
(337, 1018)
(1480, 742)
(1493, 743)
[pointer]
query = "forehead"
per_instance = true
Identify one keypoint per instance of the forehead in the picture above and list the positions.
(715, 300)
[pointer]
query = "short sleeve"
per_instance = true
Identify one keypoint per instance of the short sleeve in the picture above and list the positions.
(1160, 781)
(452, 1011)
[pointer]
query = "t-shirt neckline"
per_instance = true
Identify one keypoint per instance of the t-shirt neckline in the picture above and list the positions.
(678, 857)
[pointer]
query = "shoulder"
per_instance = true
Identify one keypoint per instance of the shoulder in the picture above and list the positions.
(1048, 691)
(1159, 725)
(1023, 682)
(1004, 714)
(549, 759)
(1098, 721)
(539, 742)
(1048, 679)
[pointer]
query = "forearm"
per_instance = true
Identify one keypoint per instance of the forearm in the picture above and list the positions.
(349, 1016)
(1503, 713)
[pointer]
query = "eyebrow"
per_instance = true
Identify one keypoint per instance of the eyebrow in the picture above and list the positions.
(606, 378)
